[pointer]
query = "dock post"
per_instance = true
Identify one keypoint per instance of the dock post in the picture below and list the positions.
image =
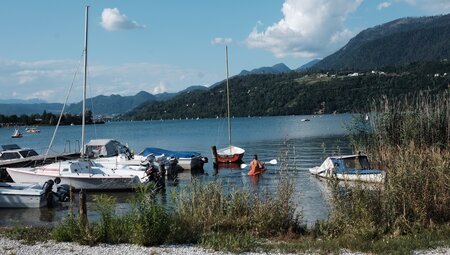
(82, 208)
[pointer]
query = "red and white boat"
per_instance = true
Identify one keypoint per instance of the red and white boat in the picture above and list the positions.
(229, 154)
(16, 134)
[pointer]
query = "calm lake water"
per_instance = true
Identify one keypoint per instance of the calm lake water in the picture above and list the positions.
(297, 145)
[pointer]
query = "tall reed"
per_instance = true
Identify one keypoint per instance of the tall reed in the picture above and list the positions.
(409, 139)
(207, 208)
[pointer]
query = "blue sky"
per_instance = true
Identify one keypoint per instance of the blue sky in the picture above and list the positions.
(168, 45)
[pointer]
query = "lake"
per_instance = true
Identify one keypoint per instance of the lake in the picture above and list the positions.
(297, 145)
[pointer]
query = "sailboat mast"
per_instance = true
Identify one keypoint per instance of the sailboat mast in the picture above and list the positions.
(228, 101)
(83, 113)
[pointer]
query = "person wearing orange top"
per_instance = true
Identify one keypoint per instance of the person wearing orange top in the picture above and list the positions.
(256, 166)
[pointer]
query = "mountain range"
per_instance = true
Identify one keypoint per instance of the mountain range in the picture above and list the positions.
(398, 42)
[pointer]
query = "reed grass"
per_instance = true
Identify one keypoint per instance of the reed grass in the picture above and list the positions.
(202, 213)
(208, 208)
(409, 139)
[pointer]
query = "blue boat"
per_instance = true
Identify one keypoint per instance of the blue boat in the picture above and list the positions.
(184, 157)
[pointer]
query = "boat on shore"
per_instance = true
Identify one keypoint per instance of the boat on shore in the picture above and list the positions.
(348, 168)
(229, 154)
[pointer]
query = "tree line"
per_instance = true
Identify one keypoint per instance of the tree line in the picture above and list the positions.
(44, 119)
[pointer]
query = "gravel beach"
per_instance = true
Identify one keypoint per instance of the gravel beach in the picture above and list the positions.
(16, 247)
(10, 247)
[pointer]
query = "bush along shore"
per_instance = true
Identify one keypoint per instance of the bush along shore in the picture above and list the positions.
(409, 212)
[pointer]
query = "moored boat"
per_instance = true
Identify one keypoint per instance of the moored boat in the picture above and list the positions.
(229, 154)
(16, 134)
(348, 168)
(32, 195)
(184, 157)
(22, 195)
(32, 130)
(12, 152)
(80, 174)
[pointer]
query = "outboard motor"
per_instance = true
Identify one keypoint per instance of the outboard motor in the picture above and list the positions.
(172, 169)
(48, 190)
(63, 193)
(155, 176)
(197, 165)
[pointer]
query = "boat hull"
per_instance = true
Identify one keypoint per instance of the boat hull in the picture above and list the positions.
(348, 168)
(362, 177)
(230, 154)
(22, 195)
(80, 181)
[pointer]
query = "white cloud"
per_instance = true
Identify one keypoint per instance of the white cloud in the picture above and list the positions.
(50, 80)
(384, 5)
(41, 94)
(159, 88)
(221, 40)
(113, 20)
(309, 28)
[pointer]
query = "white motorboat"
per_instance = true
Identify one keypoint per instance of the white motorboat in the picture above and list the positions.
(348, 168)
(11, 152)
(33, 195)
(80, 174)
(22, 195)
(83, 173)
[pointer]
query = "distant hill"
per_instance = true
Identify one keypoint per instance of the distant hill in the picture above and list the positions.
(22, 101)
(398, 42)
(102, 105)
(113, 104)
(21, 108)
(308, 65)
(276, 69)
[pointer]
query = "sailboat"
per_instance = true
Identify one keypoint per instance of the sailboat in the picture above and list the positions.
(229, 154)
(16, 134)
(82, 173)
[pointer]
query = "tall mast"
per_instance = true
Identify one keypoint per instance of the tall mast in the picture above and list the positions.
(83, 114)
(228, 101)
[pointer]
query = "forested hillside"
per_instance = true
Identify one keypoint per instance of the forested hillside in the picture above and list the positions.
(398, 42)
(300, 93)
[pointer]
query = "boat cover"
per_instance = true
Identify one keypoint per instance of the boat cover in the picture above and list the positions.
(168, 153)
(105, 148)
